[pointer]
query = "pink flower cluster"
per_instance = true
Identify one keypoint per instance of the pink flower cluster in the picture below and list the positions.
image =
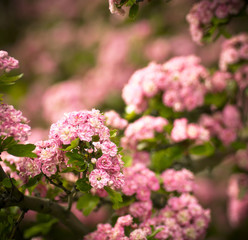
(238, 199)
(84, 125)
(7, 63)
(13, 123)
(114, 120)
(182, 218)
(241, 158)
(224, 125)
(141, 129)
(183, 130)
(183, 87)
(107, 232)
(181, 181)
(142, 85)
(179, 79)
(235, 51)
(141, 181)
(202, 14)
(218, 81)
(49, 157)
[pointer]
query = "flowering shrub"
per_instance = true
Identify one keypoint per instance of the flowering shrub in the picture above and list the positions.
(181, 118)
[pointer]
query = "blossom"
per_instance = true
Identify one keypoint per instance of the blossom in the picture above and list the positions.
(201, 15)
(114, 120)
(7, 63)
(143, 128)
(99, 178)
(13, 123)
(180, 181)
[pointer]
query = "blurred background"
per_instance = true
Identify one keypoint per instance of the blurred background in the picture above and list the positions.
(76, 55)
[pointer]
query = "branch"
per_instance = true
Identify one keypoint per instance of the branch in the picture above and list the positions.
(43, 205)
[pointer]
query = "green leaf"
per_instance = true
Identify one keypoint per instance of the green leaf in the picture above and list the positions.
(83, 185)
(5, 79)
(115, 197)
(125, 203)
(22, 150)
(127, 160)
(130, 3)
(7, 142)
(42, 228)
(7, 183)
(206, 149)
(238, 145)
(153, 234)
(32, 181)
(74, 144)
(113, 133)
(95, 138)
(90, 168)
(217, 99)
(133, 11)
(70, 169)
(87, 202)
(164, 158)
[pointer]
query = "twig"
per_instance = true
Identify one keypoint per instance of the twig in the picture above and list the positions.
(68, 192)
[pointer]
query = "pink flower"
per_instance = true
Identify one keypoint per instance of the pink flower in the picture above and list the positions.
(114, 120)
(99, 178)
(7, 63)
(104, 162)
(13, 124)
(179, 131)
(180, 181)
(109, 148)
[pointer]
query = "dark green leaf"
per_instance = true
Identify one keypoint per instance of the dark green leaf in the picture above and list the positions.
(22, 150)
(83, 185)
(133, 11)
(238, 145)
(6, 183)
(32, 181)
(95, 138)
(164, 158)
(217, 99)
(9, 141)
(42, 228)
(206, 149)
(87, 202)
